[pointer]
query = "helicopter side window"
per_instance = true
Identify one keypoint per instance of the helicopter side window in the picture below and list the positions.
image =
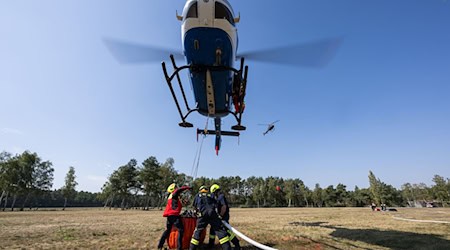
(222, 12)
(192, 12)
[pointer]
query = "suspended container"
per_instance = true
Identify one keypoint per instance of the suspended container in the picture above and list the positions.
(189, 224)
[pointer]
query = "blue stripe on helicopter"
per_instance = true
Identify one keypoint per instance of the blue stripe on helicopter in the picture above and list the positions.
(209, 40)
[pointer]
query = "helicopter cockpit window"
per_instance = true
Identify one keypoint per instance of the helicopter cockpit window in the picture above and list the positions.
(192, 12)
(222, 12)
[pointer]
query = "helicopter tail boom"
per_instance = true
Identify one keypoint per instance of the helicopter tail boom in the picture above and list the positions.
(213, 132)
(218, 134)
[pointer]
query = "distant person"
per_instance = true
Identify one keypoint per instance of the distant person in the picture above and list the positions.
(373, 206)
(223, 210)
(172, 212)
(383, 207)
(205, 206)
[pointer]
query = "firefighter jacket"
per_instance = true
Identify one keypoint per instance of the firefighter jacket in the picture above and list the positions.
(173, 207)
(205, 204)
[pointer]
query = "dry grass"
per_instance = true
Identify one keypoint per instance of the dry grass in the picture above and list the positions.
(282, 228)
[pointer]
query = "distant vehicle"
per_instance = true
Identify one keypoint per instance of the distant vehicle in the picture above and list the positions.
(270, 127)
(430, 204)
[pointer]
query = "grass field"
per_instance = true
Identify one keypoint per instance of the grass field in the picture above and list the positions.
(281, 228)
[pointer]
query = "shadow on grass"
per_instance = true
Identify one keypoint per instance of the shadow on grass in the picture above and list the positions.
(393, 239)
(387, 238)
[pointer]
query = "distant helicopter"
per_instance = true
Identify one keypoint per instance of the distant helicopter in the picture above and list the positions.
(210, 41)
(270, 127)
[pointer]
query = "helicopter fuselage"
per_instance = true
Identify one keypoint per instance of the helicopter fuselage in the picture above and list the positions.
(209, 38)
(210, 41)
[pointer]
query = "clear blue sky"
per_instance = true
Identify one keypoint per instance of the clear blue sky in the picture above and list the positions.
(382, 104)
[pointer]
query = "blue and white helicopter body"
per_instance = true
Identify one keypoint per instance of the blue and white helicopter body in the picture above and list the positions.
(208, 29)
(210, 41)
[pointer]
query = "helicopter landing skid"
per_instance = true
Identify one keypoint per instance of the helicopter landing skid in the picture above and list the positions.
(238, 127)
(239, 87)
(185, 124)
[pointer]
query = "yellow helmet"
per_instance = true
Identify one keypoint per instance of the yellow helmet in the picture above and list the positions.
(203, 189)
(171, 188)
(214, 188)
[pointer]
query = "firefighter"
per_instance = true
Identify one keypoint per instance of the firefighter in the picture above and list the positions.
(224, 212)
(205, 206)
(172, 212)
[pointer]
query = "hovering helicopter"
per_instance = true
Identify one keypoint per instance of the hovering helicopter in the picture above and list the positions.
(210, 41)
(270, 127)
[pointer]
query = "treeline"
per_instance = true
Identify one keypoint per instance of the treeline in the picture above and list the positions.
(23, 176)
(53, 199)
(26, 180)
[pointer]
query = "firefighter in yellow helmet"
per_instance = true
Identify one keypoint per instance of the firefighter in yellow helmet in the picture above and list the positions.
(223, 210)
(172, 212)
(205, 206)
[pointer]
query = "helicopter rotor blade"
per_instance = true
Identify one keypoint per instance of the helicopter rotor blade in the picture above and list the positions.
(275, 121)
(132, 53)
(316, 54)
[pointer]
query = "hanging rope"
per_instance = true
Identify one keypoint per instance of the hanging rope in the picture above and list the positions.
(197, 160)
(196, 163)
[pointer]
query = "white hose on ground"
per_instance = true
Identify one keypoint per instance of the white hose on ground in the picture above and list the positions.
(254, 243)
(425, 221)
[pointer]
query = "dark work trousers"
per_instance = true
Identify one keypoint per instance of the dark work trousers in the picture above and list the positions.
(213, 220)
(231, 235)
(173, 221)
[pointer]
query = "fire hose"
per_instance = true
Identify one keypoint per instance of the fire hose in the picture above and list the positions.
(241, 235)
